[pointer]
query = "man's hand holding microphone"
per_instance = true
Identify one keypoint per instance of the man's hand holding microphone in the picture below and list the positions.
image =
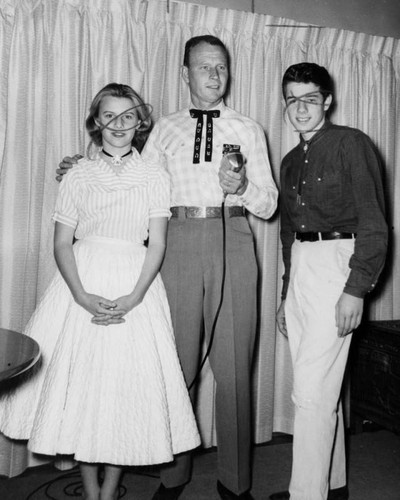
(232, 173)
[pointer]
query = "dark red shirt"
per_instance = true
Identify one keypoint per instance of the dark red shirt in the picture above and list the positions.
(334, 183)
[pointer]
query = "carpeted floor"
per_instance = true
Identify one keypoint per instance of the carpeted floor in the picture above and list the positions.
(374, 474)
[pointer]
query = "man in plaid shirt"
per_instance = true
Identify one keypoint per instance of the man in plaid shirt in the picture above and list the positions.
(193, 266)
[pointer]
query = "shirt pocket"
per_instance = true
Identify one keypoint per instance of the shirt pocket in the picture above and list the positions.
(329, 190)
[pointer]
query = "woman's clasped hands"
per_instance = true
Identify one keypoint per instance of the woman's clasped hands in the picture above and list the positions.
(107, 312)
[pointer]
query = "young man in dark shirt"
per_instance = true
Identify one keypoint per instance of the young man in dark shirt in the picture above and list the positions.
(334, 239)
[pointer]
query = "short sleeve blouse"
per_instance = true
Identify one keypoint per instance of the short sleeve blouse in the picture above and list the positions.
(95, 200)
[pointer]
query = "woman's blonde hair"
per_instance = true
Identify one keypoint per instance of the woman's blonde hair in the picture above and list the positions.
(143, 113)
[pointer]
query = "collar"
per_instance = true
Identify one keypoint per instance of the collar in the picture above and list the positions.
(318, 134)
(221, 107)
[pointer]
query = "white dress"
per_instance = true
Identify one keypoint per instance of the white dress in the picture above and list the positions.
(106, 394)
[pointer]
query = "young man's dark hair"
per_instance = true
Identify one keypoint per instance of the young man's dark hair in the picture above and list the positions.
(307, 72)
(196, 40)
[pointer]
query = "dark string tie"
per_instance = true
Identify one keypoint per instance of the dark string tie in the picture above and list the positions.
(198, 113)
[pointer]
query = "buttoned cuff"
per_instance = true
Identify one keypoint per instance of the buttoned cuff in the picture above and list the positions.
(359, 288)
(248, 199)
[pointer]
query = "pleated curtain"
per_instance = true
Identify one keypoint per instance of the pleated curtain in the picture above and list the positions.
(56, 54)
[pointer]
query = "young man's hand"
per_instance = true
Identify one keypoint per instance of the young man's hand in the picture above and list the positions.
(348, 313)
(66, 163)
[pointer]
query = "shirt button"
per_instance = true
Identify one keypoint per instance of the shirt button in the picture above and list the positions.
(304, 182)
(303, 203)
(303, 226)
(319, 179)
(305, 161)
(293, 187)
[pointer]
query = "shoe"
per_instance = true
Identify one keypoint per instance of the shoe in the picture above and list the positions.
(226, 494)
(339, 493)
(164, 493)
(282, 495)
(335, 494)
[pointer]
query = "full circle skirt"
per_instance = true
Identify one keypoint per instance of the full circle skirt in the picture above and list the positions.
(106, 394)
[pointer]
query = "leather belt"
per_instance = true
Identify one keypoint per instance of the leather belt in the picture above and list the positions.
(206, 212)
(332, 235)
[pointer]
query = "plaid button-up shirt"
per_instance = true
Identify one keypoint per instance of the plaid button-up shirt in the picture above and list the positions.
(171, 145)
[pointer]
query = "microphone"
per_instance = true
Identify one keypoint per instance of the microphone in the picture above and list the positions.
(235, 160)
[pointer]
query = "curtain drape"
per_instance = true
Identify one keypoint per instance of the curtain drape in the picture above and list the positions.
(56, 54)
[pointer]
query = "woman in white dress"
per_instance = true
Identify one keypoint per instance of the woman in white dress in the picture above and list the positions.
(112, 395)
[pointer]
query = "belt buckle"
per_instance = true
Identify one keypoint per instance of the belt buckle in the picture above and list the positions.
(195, 212)
(214, 212)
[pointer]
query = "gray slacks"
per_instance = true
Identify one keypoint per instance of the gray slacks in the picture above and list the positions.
(192, 274)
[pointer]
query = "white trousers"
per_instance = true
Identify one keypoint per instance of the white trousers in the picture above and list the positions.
(318, 274)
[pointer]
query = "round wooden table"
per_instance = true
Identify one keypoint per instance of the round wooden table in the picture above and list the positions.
(18, 352)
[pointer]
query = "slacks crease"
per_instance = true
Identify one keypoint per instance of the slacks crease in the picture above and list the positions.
(192, 274)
